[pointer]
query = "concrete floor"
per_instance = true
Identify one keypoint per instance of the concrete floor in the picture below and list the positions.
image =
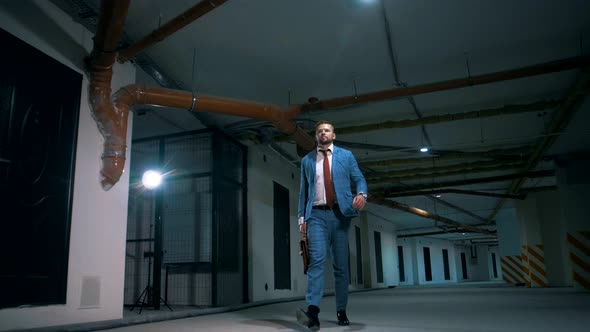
(466, 307)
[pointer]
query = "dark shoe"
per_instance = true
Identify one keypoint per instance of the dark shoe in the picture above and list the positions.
(309, 318)
(342, 319)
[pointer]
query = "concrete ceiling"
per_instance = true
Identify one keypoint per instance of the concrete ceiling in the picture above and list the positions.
(283, 52)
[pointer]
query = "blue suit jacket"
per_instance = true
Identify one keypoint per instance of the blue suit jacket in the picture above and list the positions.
(345, 171)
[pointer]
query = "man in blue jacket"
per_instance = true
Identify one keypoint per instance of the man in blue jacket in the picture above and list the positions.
(326, 206)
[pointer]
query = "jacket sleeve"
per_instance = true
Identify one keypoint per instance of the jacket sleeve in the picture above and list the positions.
(302, 192)
(356, 176)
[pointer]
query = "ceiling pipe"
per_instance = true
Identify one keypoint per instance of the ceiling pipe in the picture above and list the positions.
(502, 154)
(425, 214)
(434, 119)
(456, 191)
(432, 233)
(384, 192)
(111, 116)
(179, 22)
(111, 123)
(561, 118)
(434, 171)
(436, 175)
(534, 70)
(282, 119)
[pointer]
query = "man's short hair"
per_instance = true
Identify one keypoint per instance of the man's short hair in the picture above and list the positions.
(321, 122)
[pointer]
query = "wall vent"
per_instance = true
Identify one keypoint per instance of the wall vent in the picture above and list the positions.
(90, 295)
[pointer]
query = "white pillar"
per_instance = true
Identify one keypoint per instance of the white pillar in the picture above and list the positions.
(573, 185)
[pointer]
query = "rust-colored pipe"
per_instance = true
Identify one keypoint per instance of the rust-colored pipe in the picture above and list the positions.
(169, 28)
(111, 123)
(283, 120)
(131, 95)
(539, 69)
(444, 118)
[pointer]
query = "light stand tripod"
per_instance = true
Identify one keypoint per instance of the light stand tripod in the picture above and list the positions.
(146, 298)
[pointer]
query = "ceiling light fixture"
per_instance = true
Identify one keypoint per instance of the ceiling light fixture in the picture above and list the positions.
(424, 149)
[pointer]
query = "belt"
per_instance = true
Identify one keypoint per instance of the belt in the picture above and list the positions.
(324, 207)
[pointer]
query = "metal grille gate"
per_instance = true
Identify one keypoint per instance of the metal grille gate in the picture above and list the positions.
(199, 225)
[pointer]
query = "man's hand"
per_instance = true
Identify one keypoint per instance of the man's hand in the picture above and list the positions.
(303, 228)
(359, 202)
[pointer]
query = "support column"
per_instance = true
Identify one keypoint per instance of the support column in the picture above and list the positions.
(532, 246)
(509, 243)
(573, 183)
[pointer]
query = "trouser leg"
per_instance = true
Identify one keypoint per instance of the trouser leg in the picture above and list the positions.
(317, 234)
(340, 261)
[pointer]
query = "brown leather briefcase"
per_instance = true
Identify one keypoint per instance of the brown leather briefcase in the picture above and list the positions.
(304, 252)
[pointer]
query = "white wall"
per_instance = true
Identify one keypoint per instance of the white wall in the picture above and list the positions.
(261, 175)
(99, 218)
(436, 258)
(378, 223)
(409, 249)
(478, 267)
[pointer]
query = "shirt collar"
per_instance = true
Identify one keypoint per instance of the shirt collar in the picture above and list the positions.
(330, 147)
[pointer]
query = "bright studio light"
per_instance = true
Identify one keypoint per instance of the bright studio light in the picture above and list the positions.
(151, 179)
(424, 149)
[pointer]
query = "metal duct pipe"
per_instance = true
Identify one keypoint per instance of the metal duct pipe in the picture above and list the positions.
(177, 23)
(539, 69)
(111, 123)
(132, 95)
(111, 117)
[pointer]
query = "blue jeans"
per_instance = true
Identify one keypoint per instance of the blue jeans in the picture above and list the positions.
(327, 228)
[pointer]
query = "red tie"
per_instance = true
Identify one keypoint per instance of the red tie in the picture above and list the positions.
(328, 180)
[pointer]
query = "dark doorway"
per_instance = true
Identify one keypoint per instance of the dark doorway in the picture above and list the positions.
(282, 257)
(359, 257)
(39, 106)
(494, 267)
(378, 257)
(400, 260)
(427, 264)
(464, 265)
(447, 272)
